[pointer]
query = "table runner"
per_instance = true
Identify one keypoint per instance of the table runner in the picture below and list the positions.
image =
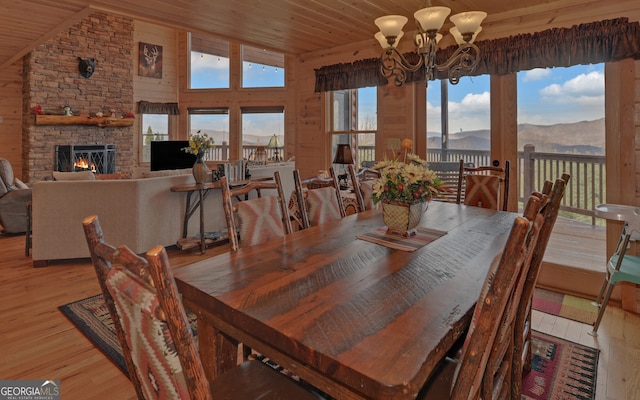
(422, 237)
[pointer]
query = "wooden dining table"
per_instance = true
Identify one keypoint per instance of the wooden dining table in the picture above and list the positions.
(353, 318)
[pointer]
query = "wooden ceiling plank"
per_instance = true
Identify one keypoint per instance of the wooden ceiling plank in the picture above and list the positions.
(77, 17)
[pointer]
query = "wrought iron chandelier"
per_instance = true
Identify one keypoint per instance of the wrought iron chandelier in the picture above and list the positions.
(429, 21)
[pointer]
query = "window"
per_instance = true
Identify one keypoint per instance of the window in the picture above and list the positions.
(215, 123)
(155, 127)
(458, 118)
(561, 120)
(353, 116)
(262, 68)
(262, 133)
(209, 64)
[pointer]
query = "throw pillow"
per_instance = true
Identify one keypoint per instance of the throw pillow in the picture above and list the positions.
(73, 176)
(118, 175)
(20, 185)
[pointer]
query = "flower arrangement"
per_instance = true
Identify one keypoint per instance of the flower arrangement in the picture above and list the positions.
(199, 144)
(405, 182)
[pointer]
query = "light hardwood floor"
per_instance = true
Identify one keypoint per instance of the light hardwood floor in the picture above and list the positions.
(38, 342)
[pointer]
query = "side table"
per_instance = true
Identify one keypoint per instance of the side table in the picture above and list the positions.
(203, 190)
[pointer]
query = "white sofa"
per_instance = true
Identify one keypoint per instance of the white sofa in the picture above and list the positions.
(140, 213)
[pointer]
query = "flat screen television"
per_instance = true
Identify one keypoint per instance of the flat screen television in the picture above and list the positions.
(169, 155)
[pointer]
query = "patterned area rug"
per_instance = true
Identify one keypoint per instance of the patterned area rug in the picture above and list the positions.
(564, 305)
(561, 369)
(551, 355)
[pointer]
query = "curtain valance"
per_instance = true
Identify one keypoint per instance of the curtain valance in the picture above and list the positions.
(589, 43)
(146, 107)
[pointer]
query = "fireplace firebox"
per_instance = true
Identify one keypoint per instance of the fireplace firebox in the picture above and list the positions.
(98, 158)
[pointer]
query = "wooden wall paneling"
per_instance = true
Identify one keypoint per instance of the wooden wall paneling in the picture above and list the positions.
(504, 128)
(11, 114)
(620, 152)
(164, 90)
(420, 118)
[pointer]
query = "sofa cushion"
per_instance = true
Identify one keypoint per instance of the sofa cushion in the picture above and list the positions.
(73, 176)
(167, 172)
(3, 188)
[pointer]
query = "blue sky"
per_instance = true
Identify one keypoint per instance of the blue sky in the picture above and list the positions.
(545, 97)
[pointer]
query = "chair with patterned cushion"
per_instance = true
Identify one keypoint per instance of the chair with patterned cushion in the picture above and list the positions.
(154, 332)
(484, 186)
(318, 204)
(462, 377)
(552, 194)
(255, 220)
(362, 182)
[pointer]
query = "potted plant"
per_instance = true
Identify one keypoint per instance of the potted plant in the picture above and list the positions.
(404, 188)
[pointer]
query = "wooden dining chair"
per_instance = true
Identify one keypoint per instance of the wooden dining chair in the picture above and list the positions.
(319, 199)
(449, 174)
(255, 220)
(484, 186)
(362, 182)
(498, 375)
(522, 357)
(462, 378)
(154, 333)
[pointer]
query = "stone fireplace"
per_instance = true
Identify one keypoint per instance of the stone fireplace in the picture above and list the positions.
(51, 79)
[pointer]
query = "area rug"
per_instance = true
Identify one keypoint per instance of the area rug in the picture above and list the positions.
(564, 305)
(561, 369)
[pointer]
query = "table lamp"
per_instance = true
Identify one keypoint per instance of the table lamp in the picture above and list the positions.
(343, 156)
(274, 143)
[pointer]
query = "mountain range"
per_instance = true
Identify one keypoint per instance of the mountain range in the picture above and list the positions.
(584, 137)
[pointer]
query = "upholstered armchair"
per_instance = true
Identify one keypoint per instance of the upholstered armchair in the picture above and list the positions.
(14, 196)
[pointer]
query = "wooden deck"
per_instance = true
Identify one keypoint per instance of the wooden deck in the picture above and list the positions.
(575, 258)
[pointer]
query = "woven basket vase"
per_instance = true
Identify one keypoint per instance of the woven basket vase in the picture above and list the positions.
(403, 218)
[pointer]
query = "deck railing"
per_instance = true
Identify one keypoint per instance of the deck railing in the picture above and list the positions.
(586, 187)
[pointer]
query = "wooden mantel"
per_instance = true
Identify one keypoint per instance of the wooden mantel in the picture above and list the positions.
(78, 120)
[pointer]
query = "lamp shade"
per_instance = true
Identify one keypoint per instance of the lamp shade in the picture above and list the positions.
(274, 142)
(343, 155)
(458, 36)
(391, 25)
(383, 40)
(432, 18)
(468, 22)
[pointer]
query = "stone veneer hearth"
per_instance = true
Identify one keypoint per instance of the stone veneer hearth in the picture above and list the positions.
(51, 79)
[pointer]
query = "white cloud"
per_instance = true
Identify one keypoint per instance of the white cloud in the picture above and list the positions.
(536, 74)
(587, 89)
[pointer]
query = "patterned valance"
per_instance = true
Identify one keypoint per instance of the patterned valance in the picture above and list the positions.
(146, 107)
(589, 43)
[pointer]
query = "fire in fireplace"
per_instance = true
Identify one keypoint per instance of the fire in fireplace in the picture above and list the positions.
(98, 158)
